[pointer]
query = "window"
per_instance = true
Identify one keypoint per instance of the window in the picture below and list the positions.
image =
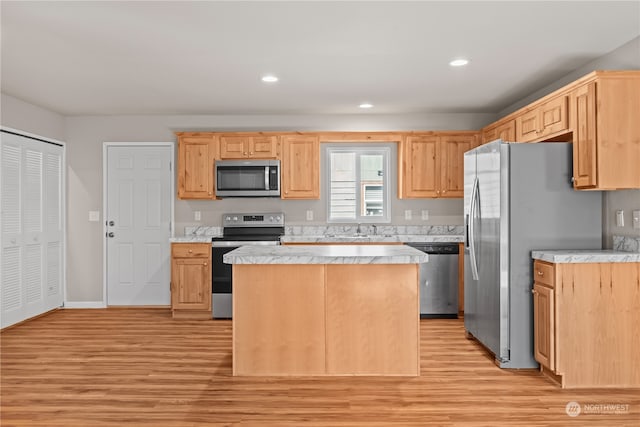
(358, 184)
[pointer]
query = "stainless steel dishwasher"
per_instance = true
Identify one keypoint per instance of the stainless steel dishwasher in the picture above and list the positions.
(438, 280)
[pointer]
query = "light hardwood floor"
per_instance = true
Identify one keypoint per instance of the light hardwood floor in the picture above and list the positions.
(130, 367)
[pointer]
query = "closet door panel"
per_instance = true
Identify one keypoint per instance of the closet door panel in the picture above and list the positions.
(32, 227)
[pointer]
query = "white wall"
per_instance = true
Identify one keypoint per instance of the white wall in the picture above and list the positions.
(20, 115)
(85, 137)
(626, 57)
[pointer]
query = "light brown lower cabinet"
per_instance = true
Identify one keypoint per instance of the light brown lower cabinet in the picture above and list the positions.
(191, 280)
(586, 318)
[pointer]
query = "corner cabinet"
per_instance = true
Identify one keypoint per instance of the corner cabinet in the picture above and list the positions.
(606, 131)
(191, 280)
(300, 167)
(585, 322)
(432, 164)
(196, 156)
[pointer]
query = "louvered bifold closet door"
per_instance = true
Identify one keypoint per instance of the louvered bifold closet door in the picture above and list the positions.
(32, 227)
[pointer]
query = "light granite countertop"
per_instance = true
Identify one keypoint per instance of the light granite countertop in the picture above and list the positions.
(190, 239)
(326, 254)
(585, 256)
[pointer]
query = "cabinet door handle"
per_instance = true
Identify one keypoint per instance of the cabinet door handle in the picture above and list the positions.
(540, 273)
(205, 264)
(533, 291)
(190, 251)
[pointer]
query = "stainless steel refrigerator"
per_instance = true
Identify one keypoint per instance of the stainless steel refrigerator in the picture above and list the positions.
(518, 198)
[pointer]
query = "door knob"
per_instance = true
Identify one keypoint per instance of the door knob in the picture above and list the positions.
(110, 234)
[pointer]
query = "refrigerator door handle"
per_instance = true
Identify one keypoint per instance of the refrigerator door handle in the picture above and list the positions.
(472, 245)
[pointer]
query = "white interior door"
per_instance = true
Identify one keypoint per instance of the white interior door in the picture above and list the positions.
(138, 224)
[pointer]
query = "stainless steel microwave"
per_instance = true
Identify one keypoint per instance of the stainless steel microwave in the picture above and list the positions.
(247, 178)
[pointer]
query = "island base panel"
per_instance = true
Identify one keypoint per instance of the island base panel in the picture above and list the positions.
(278, 320)
(372, 320)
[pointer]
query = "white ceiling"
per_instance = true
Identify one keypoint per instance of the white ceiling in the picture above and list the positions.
(176, 57)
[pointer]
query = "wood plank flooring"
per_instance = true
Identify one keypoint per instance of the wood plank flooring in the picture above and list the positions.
(134, 367)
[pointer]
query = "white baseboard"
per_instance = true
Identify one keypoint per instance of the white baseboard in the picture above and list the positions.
(84, 304)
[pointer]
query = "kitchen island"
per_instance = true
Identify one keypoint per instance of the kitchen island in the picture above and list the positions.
(325, 310)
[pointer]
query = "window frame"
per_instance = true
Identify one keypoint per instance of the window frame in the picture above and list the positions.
(360, 149)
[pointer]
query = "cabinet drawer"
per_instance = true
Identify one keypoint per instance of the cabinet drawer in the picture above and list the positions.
(190, 250)
(543, 272)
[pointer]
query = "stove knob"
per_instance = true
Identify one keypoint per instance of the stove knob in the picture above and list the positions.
(271, 218)
(235, 218)
(278, 218)
(228, 218)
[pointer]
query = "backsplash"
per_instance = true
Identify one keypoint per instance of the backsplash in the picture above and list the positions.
(626, 243)
(322, 230)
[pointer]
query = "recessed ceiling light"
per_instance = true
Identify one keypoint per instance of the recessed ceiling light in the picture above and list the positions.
(459, 62)
(366, 105)
(269, 79)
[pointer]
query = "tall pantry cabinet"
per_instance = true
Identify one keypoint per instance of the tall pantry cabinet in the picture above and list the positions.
(31, 227)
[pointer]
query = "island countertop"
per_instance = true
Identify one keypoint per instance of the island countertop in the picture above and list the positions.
(326, 254)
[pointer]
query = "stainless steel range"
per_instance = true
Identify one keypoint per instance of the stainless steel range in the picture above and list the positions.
(239, 229)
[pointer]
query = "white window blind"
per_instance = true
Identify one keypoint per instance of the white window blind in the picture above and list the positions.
(358, 184)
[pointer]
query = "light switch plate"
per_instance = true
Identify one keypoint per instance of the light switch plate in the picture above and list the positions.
(407, 214)
(636, 219)
(197, 215)
(309, 215)
(94, 216)
(620, 218)
(425, 215)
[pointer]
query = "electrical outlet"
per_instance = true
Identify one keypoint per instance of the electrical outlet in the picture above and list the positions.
(620, 218)
(425, 215)
(94, 216)
(407, 214)
(309, 215)
(197, 216)
(636, 219)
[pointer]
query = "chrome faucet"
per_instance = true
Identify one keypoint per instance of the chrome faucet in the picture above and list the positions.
(358, 230)
(375, 229)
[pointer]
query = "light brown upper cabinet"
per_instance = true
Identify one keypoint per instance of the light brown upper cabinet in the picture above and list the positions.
(599, 114)
(419, 166)
(453, 148)
(196, 155)
(545, 120)
(300, 168)
(248, 147)
(505, 131)
(432, 164)
(605, 118)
